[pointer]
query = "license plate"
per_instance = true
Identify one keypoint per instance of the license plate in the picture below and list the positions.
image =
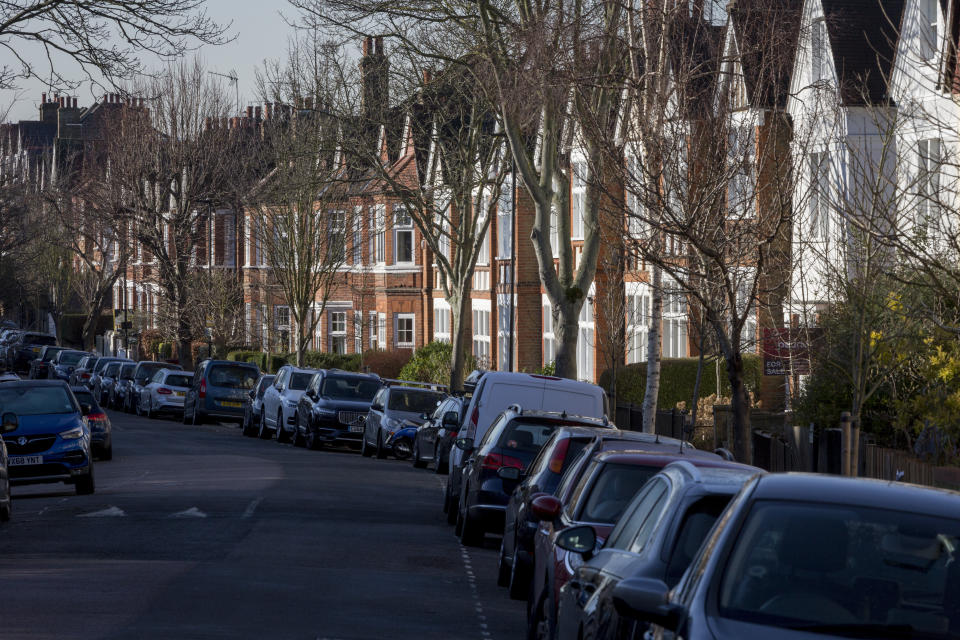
(227, 403)
(179, 394)
(35, 349)
(19, 461)
(356, 428)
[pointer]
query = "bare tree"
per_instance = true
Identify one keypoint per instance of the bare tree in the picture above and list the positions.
(216, 301)
(105, 38)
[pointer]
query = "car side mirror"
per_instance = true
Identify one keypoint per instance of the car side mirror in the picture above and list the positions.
(509, 473)
(85, 408)
(9, 422)
(582, 540)
(312, 394)
(647, 599)
(451, 420)
(252, 393)
(464, 444)
(546, 508)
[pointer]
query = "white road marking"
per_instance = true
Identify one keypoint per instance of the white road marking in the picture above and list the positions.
(248, 512)
(192, 512)
(115, 512)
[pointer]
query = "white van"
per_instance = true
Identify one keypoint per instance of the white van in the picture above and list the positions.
(497, 390)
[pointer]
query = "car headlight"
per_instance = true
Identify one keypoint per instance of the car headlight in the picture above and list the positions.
(72, 434)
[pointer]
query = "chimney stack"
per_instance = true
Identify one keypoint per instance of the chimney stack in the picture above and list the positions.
(374, 69)
(268, 110)
(257, 114)
(43, 98)
(74, 103)
(249, 112)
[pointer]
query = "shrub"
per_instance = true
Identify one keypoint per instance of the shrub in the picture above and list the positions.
(431, 363)
(165, 350)
(386, 364)
(677, 379)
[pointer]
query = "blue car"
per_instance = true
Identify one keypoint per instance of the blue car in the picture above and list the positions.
(51, 441)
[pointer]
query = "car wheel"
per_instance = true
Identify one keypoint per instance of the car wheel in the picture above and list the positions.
(264, 433)
(149, 411)
(451, 508)
(107, 454)
(381, 450)
(311, 440)
(417, 462)
(365, 450)
(282, 435)
(85, 485)
(298, 439)
(519, 582)
(471, 531)
(538, 628)
(7, 511)
(196, 418)
(402, 449)
(503, 569)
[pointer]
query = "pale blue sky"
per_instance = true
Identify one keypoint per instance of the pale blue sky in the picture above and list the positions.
(260, 33)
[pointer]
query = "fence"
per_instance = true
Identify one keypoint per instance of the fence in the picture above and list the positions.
(669, 422)
(882, 463)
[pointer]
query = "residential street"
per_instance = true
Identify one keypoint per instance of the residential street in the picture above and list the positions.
(198, 532)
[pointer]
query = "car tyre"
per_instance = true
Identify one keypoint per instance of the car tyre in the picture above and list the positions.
(107, 454)
(311, 440)
(7, 511)
(149, 412)
(452, 510)
(282, 435)
(519, 582)
(503, 569)
(264, 433)
(417, 462)
(471, 533)
(85, 485)
(196, 418)
(381, 450)
(365, 450)
(298, 439)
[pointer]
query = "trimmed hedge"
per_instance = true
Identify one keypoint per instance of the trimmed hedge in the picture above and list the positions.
(677, 379)
(431, 363)
(312, 360)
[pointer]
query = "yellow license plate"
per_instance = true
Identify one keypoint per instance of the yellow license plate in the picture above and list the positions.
(179, 394)
(232, 404)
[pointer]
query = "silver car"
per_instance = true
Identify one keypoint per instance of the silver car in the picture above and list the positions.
(164, 393)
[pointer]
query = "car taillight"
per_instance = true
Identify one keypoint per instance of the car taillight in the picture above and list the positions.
(85, 376)
(164, 391)
(475, 418)
(96, 417)
(203, 388)
(556, 460)
(494, 461)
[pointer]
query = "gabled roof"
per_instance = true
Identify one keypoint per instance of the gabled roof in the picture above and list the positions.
(863, 38)
(766, 36)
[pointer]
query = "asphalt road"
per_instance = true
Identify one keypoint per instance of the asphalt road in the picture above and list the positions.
(198, 532)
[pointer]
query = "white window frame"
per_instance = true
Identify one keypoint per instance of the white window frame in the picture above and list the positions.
(357, 232)
(505, 220)
(578, 198)
(402, 318)
(442, 321)
(549, 338)
(639, 305)
(382, 330)
(402, 225)
(929, 180)
(378, 233)
(374, 339)
(819, 50)
(820, 218)
(586, 354)
(337, 339)
(928, 15)
(504, 344)
(673, 338)
(480, 314)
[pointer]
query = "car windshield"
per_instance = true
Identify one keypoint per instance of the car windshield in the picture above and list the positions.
(147, 370)
(36, 401)
(413, 400)
(232, 376)
(526, 436)
(71, 357)
(178, 380)
(613, 490)
(49, 353)
(845, 567)
(343, 388)
(299, 381)
(126, 371)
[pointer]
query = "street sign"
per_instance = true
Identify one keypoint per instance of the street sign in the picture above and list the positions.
(787, 351)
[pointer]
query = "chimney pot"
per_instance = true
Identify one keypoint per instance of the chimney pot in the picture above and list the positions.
(249, 112)
(257, 113)
(367, 46)
(43, 98)
(379, 45)
(427, 76)
(74, 103)
(268, 110)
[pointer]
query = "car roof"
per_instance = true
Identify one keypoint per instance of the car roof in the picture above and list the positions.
(34, 383)
(345, 373)
(240, 363)
(883, 494)
(637, 455)
(297, 369)
(179, 372)
(398, 388)
(712, 473)
(559, 416)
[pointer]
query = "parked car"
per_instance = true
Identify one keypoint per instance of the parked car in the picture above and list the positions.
(6, 501)
(117, 394)
(279, 411)
(494, 465)
(514, 566)
(9, 335)
(64, 363)
(164, 393)
(656, 538)
(815, 556)
(437, 434)
(25, 348)
(400, 442)
(497, 390)
(84, 369)
(142, 373)
(101, 431)
(94, 381)
(51, 441)
(251, 412)
(105, 379)
(40, 366)
(9, 376)
(334, 408)
(394, 407)
(219, 390)
(595, 490)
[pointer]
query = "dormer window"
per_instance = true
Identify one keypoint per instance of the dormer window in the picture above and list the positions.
(818, 50)
(927, 32)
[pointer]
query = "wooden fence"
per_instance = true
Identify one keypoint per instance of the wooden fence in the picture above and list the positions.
(886, 464)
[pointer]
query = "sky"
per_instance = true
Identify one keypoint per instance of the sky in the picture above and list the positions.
(260, 32)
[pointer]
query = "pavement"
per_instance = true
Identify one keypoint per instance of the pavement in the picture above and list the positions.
(198, 532)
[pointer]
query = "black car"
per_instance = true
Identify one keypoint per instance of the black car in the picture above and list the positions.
(251, 413)
(334, 407)
(803, 556)
(118, 391)
(84, 369)
(40, 366)
(101, 431)
(142, 373)
(6, 502)
(542, 477)
(26, 348)
(63, 364)
(436, 436)
(494, 466)
(657, 537)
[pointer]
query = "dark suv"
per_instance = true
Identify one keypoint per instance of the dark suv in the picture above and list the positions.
(142, 373)
(40, 366)
(334, 407)
(26, 348)
(219, 390)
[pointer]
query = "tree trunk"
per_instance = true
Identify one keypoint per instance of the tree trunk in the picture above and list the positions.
(459, 327)
(740, 409)
(566, 329)
(90, 330)
(652, 392)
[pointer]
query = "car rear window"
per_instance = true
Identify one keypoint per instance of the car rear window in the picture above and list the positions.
(299, 381)
(84, 397)
(178, 380)
(147, 370)
(344, 388)
(413, 400)
(50, 353)
(91, 363)
(232, 376)
(127, 370)
(526, 436)
(111, 369)
(612, 491)
(35, 401)
(70, 358)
